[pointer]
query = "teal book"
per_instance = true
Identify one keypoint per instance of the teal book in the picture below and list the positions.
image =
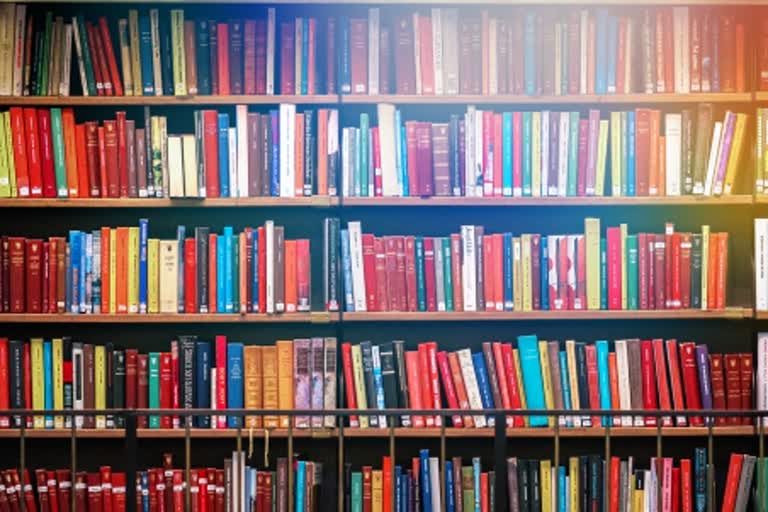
(228, 275)
(603, 274)
(630, 149)
(57, 134)
(421, 290)
(399, 160)
(506, 162)
(301, 483)
(527, 176)
(447, 277)
(601, 348)
(533, 384)
(220, 266)
(48, 381)
(154, 387)
(362, 177)
(355, 174)
(565, 383)
(632, 272)
(357, 491)
(573, 154)
(404, 162)
(476, 472)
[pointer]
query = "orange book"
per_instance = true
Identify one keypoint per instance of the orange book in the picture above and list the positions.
(284, 379)
(299, 155)
(414, 387)
(253, 383)
(82, 162)
(653, 157)
(244, 272)
(498, 270)
(662, 172)
(291, 290)
(212, 239)
(484, 506)
(270, 385)
(461, 390)
(740, 53)
(70, 151)
(386, 484)
(105, 277)
(721, 270)
(488, 281)
(222, 34)
(613, 379)
(322, 151)
(712, 257)
(121, 283)
(102, 162)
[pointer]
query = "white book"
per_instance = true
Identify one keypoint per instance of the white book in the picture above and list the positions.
(79, 54)
(175, 166)
(562, 159)
(672, 132)
(493, 77)
(480, 188)
(544, 167)
(287, 150)
(18, 50)
(628, 53)
(584, 38)
(761, 264)
(66, 64)
(233, 163)
(214, 417)
(622, 373)
(714, 151)
(356, 263)
(169, 276)
(450, 21)
(470, 382)
(573, 382)
(78, 384)
(558, 57)
(434, 483)
(468, 267)
(469, 160)
(271, 50)
(269, 236)
(417, 52)
(189, 152)
(439, 274)
(373, 50)
(345, 142)
(7, 23)
(157, 67)
(761, 377)
(125, 57)
(241, 120)
(387, 138)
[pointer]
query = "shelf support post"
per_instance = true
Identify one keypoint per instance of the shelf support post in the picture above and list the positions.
(500, 460)
(340, 455)
(131, 450)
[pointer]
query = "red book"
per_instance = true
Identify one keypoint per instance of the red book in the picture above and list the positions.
(613, 235)
(662, 380)
(287, 58)
(676, 489)
(118, 492)
(424, 166)
(614, 484)
(42, 490)
(303, 274)
(592, 380)
(427, 60)
(381, 302)
(202, 493)
(425, 383)
(33, 277)
(413, 371)
(17, 290)
(17, 119)
(166, 388)
(111, 159)
(349, 382)
(220, 490)
(92, 158)
(100, 59)
(83, 183)
(89, 34)
(564, 263)
(676, 298)
(178, 490)
(114, 73)
(122, 154)
(106, 488)
(649, 380)
(190, 276)
(211, 491)
(613, 380)
(46, 153)
(211, 152)
(394, 288)
(410, 273)
(34, 165)
(675, 379)
(131, 377)
(64, 489)
(484, 506)
(386, 484)
(222, 37)
(690, 380)
(718, 385)
(46, 277)
(434, 383)
(369, 271)
(501, 377)
(221, 378)
(732, 482)
(486, 245)
(732, 385)
(448, 388)
(194, 490)
(461, 390)
(661, 282)
(668, 47)
(642, 149)
(642, 270)
(367, 488)
(260, 57)
(4, 392)
(745, 360)
(94, 491)
(429, 273)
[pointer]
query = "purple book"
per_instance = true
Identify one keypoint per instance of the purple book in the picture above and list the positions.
(725, 151)
(592, 141)
(301, 379)
(705, 382)
(317, 362)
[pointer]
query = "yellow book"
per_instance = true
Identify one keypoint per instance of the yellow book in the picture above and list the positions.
(536, 154)
(546, 377)
(519, 379)
(252, 383)
(525, 251)
(57, 349)
(177, 50)
(573, 473)
(602, 157)
(517, 274)
(38, 379)
(704, 265)
(112, 270)
(735, 157)
(639, 498)
(133, 269)
(616, 154)
(377, 491)
(545, 477)
(100, 383)
(623, 235)
(284, 378)
(134, 38)
(573, 381)
(357, 374)
(632, 502)
(153, 275)
(592, 246)
(5, 179)
(9, 153)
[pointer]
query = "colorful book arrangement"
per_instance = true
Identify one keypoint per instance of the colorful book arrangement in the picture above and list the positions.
(61, 374)
(542, 52)
(123, 270)
(638, 375)
(476, 271)
(518, 154)
(44, 153)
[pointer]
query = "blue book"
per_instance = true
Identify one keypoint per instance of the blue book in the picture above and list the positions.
(564, 380)
(145, 51)
(604, 383)
(181, 235)
(304, 55)
(603, 274)
(450, 499)
(73, 295)
(399, 480)
(144, 491)
(82, 277)
(426, 492)
(573, 154)
(378, 383)
(86, 298)
(301, 483)
(530, 53)
(234, 382)
(630, 150)
(96, 278)
(509, 296)
(705, 383)
(408, 491)
(624, 154)
(48, 381)
(404, 162)
(421, 289)
(527, 154)
(203, 382)
(601, 58)
(362, 151)
(700, 479)
(143, 241)
(275, 169)
(345, 69)
(220, 274)
(476, 470)
(223, 120)
(533, 385)
(68, 279)
(562, 490)
(478, 361)
(346, 269)
(229, 306)
(613, 44)
(255, 275)
(544, 276)
(506, 162)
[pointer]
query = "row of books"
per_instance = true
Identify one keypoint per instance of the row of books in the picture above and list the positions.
(44, 153)
(485, 153)
(60, 373)
(477, 271)
(124, 270)
(638, 375)
(442, 51)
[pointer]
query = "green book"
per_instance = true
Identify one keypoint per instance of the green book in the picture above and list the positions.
(87, 62)
(573, 154)
(364, 156)
(468, 487)
(57, 133)
(632, 272)
(624, 135)
(447, 277)
(5, 175)
(154, 387)
(421, 290)
(603, 274)
(696, 271)
(357, 491)
(527, 177)
(42, 82)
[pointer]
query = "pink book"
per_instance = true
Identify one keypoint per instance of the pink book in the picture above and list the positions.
(449, 388)
(592, 141)
(580, 298)
(317, 360)
(175, 380)
(517, 154)
(613, 236)
(581, 182)
(301, 379)
(722, 164)
(221, 378)
(434, 384)
(666, 484)
(552, 277)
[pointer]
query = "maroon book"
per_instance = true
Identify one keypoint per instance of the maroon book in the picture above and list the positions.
(111, 152)
(260, 69)
(424, 158)
(405, 67)
(287, 74)
(358, 55)
(330, 64)
(122, 153)
(249, 56)
(34, 276)
(17, 258)
(46, 152)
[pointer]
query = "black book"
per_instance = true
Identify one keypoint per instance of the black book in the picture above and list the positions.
(398, 347)
(166, 61)
(370, 387)
(595, 482)
(581, 375)
(310, 151)
(584, 483)
(492, 490)
(696, 271)
(203, 56)
(67, 378)
(534, 483)
(389, 378)
(187, 371)
(109, 350)
(16, 378)
(118, 385)
(202, 385)
(201, 248)
(523, 487)
(347, 486)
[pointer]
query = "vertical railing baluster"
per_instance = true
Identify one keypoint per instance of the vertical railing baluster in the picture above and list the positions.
(500, 449)
(443, 456)
(22, 461)
(710, 467)
(240, 458)
(290, 464)
(73, 462)
(187, 463)
(392, 455)
(659, 463)
(341, 482)
(131, 452)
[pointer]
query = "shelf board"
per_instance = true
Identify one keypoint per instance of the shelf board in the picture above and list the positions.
(442, 2)
(761, 315)
(519, 99)
(167, 318)
(761, 95)
(243, 99)
(688, 314)
(549, 201)
(63, 433)
(134, 202)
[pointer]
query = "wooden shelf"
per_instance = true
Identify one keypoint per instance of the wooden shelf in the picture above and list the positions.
(250, 99)
(761, 95)
(549, 201)
(438, 2)
(687, 314)
(133, 202)
(578, 99)
(761, 315)
(167, 318)
(63, 433)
